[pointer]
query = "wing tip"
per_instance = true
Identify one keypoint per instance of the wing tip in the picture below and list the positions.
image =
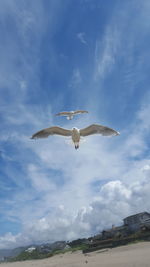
(84, 111)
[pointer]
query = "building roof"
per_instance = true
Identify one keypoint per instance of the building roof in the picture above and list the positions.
(137, 214)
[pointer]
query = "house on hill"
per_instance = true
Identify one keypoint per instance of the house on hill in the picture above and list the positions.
(133, 223)
(137, 221)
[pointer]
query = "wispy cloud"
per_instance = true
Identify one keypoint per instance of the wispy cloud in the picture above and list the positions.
(81, 37)
(105, 52)
(76, 78)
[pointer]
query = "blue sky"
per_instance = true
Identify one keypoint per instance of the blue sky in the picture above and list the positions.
(68, 55)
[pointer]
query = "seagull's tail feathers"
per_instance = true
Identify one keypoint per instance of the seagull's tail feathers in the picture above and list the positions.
(76, 145)
(69, 117)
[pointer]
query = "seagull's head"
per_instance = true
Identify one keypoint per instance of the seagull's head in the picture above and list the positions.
(75, 130)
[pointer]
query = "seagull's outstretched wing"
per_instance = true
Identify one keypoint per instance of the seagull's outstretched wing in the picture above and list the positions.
(68, 113)
(80, 111)
(51, 131)
(64, 113)
(98, 129)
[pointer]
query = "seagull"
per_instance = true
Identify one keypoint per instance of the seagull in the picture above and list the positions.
(76, 133)
(70, 114)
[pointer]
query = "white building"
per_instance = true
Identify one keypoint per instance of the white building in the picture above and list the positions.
(30, 249)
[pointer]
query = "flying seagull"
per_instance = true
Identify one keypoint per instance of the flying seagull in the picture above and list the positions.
(70, 114)
(76, 133)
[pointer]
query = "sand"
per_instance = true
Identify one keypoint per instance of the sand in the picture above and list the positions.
(134, 255)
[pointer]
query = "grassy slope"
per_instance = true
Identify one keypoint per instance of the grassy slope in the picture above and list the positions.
(38, 255)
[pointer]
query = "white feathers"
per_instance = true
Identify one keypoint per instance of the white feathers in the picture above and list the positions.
(70, 114)
(76, 133)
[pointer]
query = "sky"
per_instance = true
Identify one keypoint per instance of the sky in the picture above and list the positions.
(65, 55)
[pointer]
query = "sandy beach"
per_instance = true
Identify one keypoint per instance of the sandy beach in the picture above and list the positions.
(134, 255)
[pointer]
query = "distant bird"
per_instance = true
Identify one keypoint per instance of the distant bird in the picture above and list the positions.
(70, 114)
(76, 133)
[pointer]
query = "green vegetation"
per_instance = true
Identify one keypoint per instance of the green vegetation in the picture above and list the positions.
(140, 234)
(73, 249)
(36, 254)
(25, 255)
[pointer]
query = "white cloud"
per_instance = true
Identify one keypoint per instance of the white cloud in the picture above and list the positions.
(81, 37)
(39, 179)
(10, 241)
(115, 201)
(146, 168)
(105, 52)
(76, 78)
